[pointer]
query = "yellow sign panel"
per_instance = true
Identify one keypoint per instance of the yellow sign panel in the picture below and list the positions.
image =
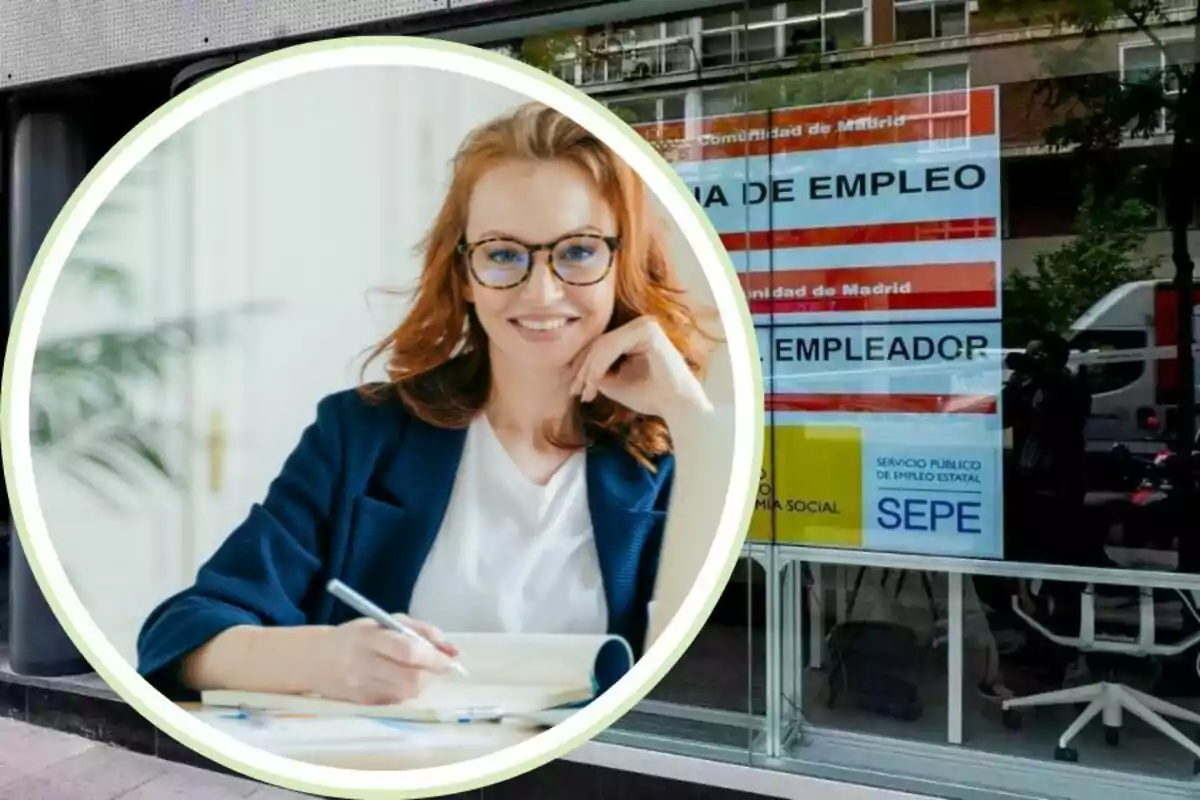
(811, 492)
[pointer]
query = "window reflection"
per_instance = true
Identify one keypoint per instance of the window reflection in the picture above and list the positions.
(924, 19)
(1085, 255)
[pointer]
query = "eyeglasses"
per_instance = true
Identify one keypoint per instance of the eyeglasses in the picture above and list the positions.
(505, 263)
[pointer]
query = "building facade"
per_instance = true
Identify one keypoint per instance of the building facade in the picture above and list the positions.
(768, 697)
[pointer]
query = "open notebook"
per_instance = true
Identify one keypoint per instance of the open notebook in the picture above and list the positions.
(508, 675)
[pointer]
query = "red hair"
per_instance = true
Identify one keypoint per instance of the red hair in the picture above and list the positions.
(437, 359)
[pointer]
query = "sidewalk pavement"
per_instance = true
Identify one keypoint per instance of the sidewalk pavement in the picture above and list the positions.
(43, 764)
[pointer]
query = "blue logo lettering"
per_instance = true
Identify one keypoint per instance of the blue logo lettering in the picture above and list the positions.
(922, 515)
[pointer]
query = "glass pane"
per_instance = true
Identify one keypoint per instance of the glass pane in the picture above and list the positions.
(717, 50)
(564, 71)
(874, 650)
(678, 27)
(717, 675)
(714, 673)
(678, 58)
(950, 19)
(759, 44)
(1084, 255)
(1143, 64)
(1180, 51)
(913, 24)
(949, 78)
(718, 20)
(803, 8)
(757, 13)
(1179, 56)
(914, 81)
(674, 106)
(720, 681)
(602, 68)
(646, 33)
(844, 33)
(633, 110)
(1026, 614)
(804, 38)
(722, 101)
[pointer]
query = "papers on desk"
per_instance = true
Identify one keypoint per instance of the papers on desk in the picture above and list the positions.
(508, 675)
(299, 736)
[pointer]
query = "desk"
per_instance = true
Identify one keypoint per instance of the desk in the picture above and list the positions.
(367, 744)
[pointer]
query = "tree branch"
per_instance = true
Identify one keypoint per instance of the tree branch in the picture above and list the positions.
(1140, 23)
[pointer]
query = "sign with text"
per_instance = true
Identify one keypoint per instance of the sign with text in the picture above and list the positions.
(867, 239)
(878, 481)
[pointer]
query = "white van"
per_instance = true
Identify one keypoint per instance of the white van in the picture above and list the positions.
(1126, 343)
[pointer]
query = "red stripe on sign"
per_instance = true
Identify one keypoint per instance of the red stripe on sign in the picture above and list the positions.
(884, 233)
(884, 403)
(943, 116)
(929, 301)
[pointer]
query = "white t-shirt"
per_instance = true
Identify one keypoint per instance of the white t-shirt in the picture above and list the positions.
(512, 556)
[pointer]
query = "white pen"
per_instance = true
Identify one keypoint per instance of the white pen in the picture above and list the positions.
(368, 609)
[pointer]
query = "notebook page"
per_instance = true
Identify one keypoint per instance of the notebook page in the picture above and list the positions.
(280, 735)
(436, 703)
(549, 660)
(516, 674)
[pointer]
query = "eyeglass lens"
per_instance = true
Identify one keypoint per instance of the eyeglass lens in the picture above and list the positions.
(577, 260)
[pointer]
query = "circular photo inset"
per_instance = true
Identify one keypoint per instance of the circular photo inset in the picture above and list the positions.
(383, 415)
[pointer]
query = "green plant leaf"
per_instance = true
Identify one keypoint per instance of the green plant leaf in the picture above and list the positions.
(102, 277)
(84, 403)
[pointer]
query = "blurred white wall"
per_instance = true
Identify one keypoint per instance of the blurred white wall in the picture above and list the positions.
(304, 198)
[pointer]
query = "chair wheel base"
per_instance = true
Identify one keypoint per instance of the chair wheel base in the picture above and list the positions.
(1112, 736)
(1068, 754)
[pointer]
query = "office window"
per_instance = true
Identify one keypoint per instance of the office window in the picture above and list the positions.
(650, 108)
(723, 38)
(933, 79)
(565, 72)
(782, 30)
(930, 19)
(673, 107)
(557, 55)
(812, 27)
(654, 48)
(611, 55)
(947, 114)
(728, 38)
(723, 100)
(844, 31)
(635, 109)
(1150, 62)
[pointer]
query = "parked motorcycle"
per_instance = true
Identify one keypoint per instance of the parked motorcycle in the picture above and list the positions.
(1160, 511)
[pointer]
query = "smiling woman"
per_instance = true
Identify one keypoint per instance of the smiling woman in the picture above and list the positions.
(510, 475)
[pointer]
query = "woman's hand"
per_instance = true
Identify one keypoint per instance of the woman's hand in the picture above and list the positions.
(363, 662)
(651, 377)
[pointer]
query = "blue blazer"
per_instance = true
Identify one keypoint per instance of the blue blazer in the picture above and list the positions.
(361, 498)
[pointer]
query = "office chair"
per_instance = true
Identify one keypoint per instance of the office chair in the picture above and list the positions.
(1110, 700)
